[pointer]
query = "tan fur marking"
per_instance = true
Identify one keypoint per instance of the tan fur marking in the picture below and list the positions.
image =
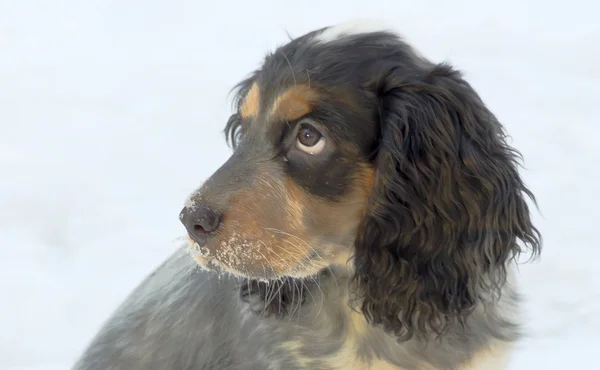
(294, 103)
(251, 102)
(291, 246)
(295, 203)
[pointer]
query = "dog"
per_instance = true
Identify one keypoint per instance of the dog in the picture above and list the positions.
(370, 217)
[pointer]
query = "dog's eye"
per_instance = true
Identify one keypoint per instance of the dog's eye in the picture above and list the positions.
(309, 139)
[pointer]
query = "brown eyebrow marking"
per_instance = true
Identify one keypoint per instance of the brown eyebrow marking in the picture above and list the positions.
(251, 102)
(294, 103)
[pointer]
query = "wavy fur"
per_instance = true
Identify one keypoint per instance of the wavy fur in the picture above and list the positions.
(447, 210)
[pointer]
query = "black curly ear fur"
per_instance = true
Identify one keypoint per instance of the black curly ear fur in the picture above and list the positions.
(447, 209)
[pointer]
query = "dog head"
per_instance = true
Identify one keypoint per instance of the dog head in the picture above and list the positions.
(349, 148)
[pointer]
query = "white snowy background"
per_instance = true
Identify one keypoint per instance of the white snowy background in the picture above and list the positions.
(111, 112)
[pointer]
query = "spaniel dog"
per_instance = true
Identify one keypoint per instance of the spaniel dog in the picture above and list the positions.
(369, 217)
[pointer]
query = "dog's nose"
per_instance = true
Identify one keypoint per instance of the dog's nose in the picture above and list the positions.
(200, 221)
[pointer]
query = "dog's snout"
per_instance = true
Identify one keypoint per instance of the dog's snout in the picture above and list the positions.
(200, 221)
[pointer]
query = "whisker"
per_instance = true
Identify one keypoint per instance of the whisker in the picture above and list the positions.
(306, 244)
(318, 285)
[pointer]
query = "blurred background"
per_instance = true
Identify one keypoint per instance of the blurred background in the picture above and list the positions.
(111, 112)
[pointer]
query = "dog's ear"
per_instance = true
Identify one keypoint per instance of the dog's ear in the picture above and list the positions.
(447, 209)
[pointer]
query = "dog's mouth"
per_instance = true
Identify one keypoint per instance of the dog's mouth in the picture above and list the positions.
(202, 256)
(242, 261)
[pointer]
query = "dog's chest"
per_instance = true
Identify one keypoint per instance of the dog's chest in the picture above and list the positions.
(336, 345)
(353, 348)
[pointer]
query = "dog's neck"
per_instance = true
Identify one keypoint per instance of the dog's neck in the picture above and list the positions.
(325, 320)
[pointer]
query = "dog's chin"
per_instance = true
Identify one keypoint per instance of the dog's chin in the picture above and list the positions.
(204, 259)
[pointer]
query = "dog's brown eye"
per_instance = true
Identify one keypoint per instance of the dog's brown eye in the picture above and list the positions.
(310, 140)
(308, 137)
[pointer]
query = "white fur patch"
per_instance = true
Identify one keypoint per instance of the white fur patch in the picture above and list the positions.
(354, 27)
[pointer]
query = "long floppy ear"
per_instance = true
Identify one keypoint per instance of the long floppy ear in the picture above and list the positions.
(447, 209)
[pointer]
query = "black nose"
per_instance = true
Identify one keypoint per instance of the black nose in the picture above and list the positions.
(200, 221)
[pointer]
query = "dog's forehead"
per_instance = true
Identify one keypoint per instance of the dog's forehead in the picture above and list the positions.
(338, 58)
(327, 53)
